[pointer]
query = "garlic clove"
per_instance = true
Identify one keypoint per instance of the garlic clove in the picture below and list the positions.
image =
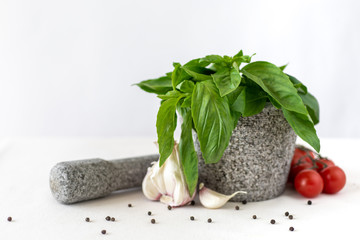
(166, 199)
(167, 183)
(149, 189)
(211, 199)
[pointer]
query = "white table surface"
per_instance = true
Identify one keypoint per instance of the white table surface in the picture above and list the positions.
(25, 164)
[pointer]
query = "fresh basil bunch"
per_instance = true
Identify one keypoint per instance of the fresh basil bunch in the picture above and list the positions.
(212, 93)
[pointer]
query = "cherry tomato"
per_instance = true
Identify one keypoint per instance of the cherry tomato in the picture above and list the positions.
(295, 169)
(323, 163)
(309, 183)
(334, 179)
(302, 155)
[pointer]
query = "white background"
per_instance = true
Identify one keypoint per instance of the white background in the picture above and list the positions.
(66, 67)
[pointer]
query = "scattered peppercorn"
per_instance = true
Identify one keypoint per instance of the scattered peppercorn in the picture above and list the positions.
(103, 231)
(286, 213)
(129, 205)
(291, 229)
(153, 221)
(87, 219)
(237, 207)
(149, 213)
(291, 217)
(254, 217)
(169, 207)
(192, 218)
(209, 220)
(309, 202)
(113, 219)
(192, 202)
(9, 219)
(272, 221)
(107, 218)
(244, 202)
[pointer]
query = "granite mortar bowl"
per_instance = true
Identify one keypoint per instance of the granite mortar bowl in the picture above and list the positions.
(257, 159)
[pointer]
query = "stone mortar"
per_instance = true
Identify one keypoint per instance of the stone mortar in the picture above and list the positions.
(257, 159)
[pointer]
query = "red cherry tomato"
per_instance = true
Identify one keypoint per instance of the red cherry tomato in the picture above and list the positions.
(323, 163)
(309, 183)
(295, 169)
(334, 179)
(302, 155)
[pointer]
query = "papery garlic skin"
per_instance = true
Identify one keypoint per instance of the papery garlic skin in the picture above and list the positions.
(149, 189)
(211, 199)
(167, 183)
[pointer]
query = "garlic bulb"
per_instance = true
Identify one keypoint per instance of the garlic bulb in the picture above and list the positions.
(167, 183)
(211, 199)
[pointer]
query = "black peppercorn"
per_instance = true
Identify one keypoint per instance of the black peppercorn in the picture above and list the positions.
(309, 202)
(149, 213)
(286, 213)
(107, 218)
(153, 221)
(272, 221)
(209, 220)
(254, 216)
(87, 219)
(103, 231)
(291, 229)
(113, 219)
(237, 207)
(244, 202)
(169, 207)
(291, 217)
(9, 219)
(192, 202)
(129, 205)
(192, 218)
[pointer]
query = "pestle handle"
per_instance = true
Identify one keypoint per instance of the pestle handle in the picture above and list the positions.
(130, 172)
(81, 180)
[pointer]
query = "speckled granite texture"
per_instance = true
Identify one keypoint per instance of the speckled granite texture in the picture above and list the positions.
(257, 159)
(81, 180)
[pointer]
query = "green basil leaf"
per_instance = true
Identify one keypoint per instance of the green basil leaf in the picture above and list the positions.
(235, 75)
(239, 54)
(303, 127)
(186, 86)
(309, 100)
(274, 102)
(187, 102)
(277, 84)
(282, 68)
(234, 95)
(187, 153)
(227, 80)
(181, 110)
(178, 75)
(212, 119)
(169, 74)
(241, 58)
(312, 106)
(198, 73)
(165, 125)
(250, 102)
(212, 59)
(228, 60)
(159, 85)
(297, 84)
(170, 94)
(197, 62)
(235, 117)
